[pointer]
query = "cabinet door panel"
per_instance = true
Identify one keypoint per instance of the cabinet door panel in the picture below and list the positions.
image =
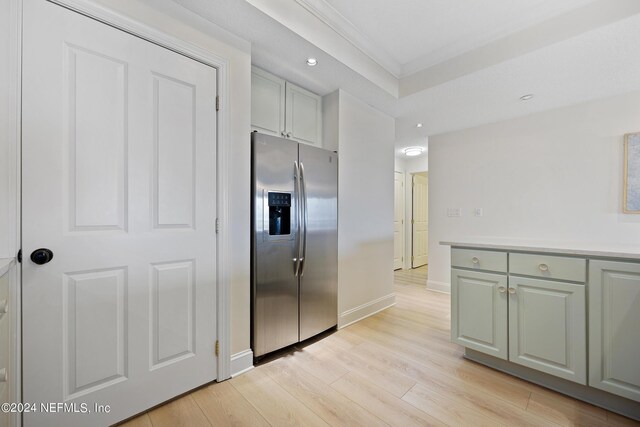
(267, 103)
(479, 311)
(303, 115)
(614, 328)
(547, 327)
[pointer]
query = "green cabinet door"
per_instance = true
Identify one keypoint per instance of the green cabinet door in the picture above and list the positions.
(547, 327)
(614, 327)
(479, 311)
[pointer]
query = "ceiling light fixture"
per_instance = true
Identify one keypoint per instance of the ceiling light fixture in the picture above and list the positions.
(312, 62)
(526, 97)
(413, 151)
(419, 125)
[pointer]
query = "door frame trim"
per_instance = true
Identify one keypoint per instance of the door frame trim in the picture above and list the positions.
(190, 50)
(403, 217)
(10, 191)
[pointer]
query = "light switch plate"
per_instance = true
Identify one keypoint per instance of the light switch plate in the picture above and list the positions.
(454, 212)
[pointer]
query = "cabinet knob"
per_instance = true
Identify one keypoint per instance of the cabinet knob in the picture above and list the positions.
(543, 267)
(502, 289)
(512, 291)
(475, 260)
(283, 133)
(288, 134)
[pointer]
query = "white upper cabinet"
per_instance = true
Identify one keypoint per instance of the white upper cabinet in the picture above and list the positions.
(303, 121)
(282, 109)
(267, 103)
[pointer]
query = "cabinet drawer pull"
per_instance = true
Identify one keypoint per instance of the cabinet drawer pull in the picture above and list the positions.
(502, 289)
(512, 291)
(543, 267)
(475, 260)
(4, 306)
(3, 375)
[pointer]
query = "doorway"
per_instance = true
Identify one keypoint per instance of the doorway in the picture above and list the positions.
(119, 192)
(420, 219)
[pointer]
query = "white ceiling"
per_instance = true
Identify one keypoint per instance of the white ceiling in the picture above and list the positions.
(421, 33)
(470, 64)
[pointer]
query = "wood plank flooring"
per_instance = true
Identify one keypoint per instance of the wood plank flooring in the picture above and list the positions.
(397, 368)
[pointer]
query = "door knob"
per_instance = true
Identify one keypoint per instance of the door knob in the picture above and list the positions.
(41, 256)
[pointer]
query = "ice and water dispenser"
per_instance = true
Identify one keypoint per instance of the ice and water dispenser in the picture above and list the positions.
(279, 214)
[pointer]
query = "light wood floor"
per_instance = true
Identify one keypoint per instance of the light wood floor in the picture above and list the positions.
(396, 368)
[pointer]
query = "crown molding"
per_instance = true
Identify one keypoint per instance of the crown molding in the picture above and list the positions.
(341, 25)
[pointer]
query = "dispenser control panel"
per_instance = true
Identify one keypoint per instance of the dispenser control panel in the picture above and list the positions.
(279, 213)
(280, 200)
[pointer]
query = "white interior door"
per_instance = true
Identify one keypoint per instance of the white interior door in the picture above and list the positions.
(119, 179)
(398, 221)
(420, 221)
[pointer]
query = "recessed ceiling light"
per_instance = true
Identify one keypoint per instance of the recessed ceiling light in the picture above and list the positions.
(419, 125)
(312, 62)
(526, 97)
(413, 151)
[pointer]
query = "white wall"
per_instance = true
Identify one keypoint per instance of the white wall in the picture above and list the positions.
(409, 166)
(552, 177)
(365, 209)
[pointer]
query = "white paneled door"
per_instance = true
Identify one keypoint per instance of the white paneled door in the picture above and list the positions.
(420, 221)
(398, 221)
(119, 180)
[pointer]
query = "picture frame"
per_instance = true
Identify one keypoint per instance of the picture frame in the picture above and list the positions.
(631, 191)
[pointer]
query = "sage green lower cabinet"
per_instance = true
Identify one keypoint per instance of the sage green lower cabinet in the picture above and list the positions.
(614, 327)
(548, 327)
(479, 311)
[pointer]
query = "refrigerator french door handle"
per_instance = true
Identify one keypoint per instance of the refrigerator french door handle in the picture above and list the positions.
(305, 216)
(296, 184)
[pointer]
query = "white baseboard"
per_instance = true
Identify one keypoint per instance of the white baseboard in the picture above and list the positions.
(433, 285)
(241, 362)
(365, 310)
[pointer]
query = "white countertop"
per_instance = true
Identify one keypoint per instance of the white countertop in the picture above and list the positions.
(5, 265)
(592, 250)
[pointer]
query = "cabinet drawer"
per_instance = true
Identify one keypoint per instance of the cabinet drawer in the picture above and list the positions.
(550, 267)
(479, 259)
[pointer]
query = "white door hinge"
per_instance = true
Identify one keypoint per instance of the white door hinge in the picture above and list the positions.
(217, 103)
(217, 225)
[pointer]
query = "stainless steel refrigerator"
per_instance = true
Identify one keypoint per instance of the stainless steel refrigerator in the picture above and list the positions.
(294, 242)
